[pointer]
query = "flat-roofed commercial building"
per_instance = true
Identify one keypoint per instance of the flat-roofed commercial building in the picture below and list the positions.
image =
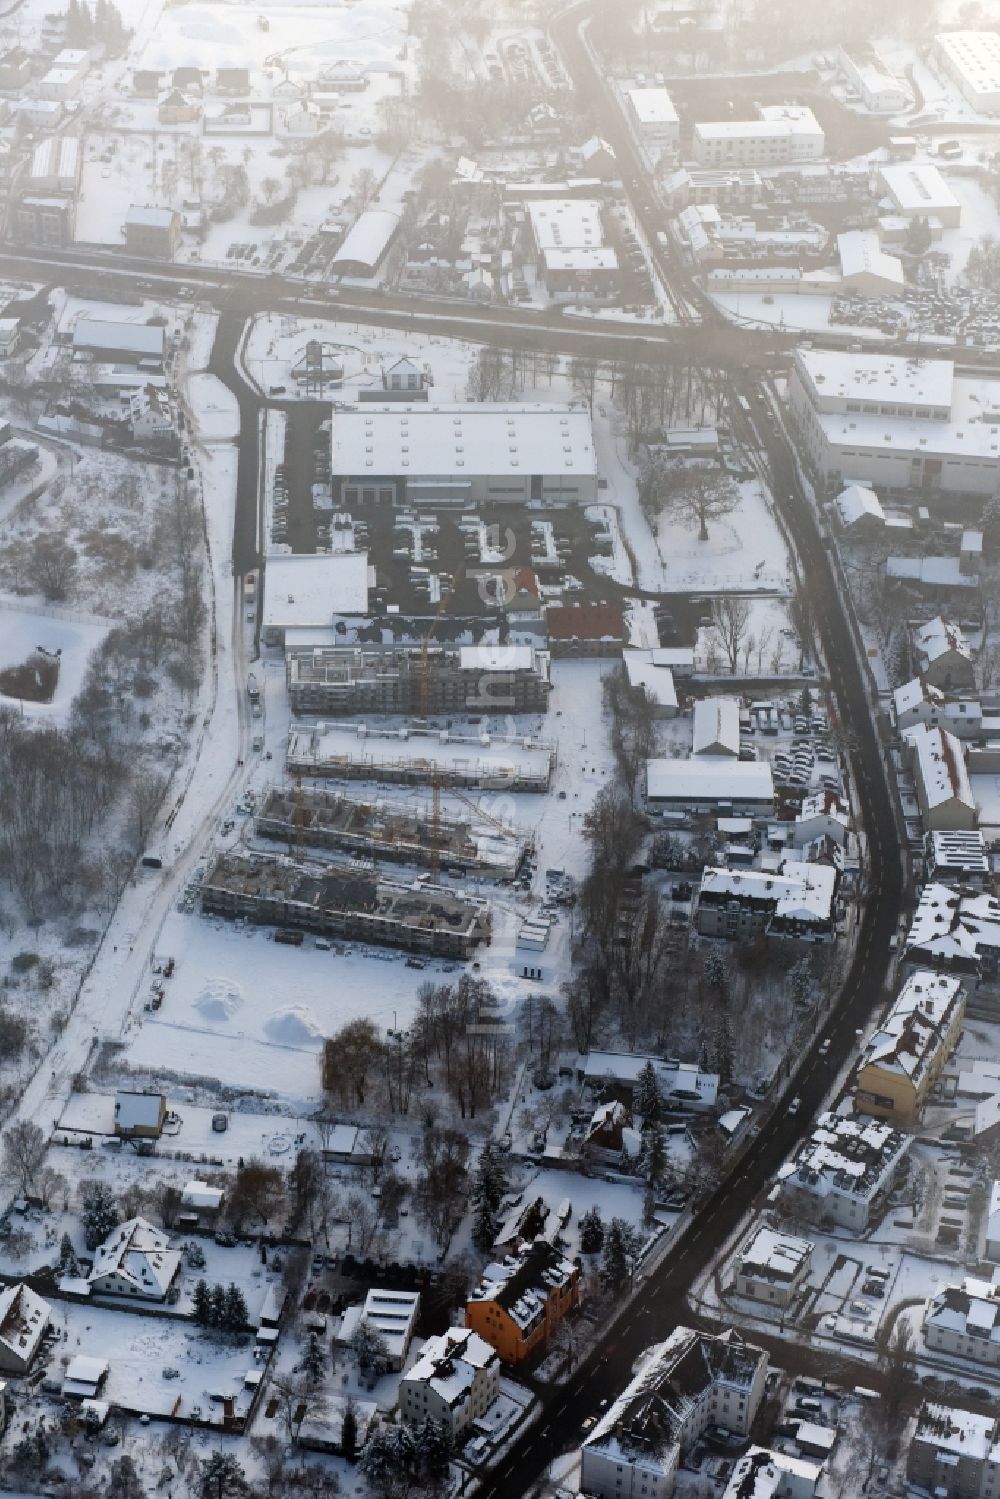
(781, 133)
(971, 59)
(483, 452)
(904, 426)
(652, 116)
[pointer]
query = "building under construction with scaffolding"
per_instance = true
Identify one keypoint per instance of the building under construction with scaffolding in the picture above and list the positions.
(419, 755)
(424, 679)
(345, 904)
(392, 831)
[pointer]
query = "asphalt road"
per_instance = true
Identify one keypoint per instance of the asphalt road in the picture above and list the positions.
(660, 1304)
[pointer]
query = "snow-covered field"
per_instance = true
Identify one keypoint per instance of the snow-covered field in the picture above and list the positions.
(276, 342)
(25, 627)
(744, 553)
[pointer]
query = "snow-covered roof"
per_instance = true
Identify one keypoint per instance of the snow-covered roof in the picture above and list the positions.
(394, 1315)
(566, 223)
(150, 218)
(137, 1110)
(763, 1474)
(450, 1362)
(924, 385)
(775, 121)
(961, 1433)
(917, 1028)
(940, 766)
(367, 240)
(709, 779)
(656, 681)
(974, 56)
(824, 804)
(652, 106)
(126, 338)
(858, 502)
(57, 156)
(915, 694)
(773, 1256)
(716, 728)
(647, 1422)
(973, 1304)
(496, 658)
(953, 927)
(465, 438)
(673, 1076)
(917, 187)
(801, 893)
(940, 572)
(581, 258)
(846, 1155)
(861, 255)
(140, 1255)
(522, 1283)
(939, 637)
(957, 852)
(300, 589)
(198, 1194)
(24, 1317)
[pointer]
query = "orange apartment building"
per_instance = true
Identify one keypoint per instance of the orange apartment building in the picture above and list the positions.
(518, 1304)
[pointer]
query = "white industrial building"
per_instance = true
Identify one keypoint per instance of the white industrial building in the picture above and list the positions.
(716, 727)
(485, 452)
(303, 591)
(781, 133)
(710, 784)
(904, 425)
(572, 255)
(55, 165)
(944, 790)
(366, 243)
(918, 191)
(865, 267)
(652, 116)
(971, 59)
(645, 674)
(879, 91)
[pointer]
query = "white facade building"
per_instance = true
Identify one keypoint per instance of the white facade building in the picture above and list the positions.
(716, 727)
(865, 267)
(943, 655)
(781, 133)
(880, 92)
(740, 786)
(843, 1170)
(135, 1260)
(454, 1381)
(652, 116)
(971, 59)
(944, 790)
(903, 425)
(964, 1321)
(772, 1267)
(682, 1386)
(918, 191)
(484, 452)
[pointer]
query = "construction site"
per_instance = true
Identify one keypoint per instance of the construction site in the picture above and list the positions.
(422, 679)
(345, 904)
(420, 755)
(384, 830)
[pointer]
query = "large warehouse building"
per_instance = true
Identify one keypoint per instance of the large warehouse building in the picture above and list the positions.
(900, 425)
(484, 452)
(971, 59)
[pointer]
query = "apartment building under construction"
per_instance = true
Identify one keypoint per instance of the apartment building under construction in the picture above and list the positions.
(462, 680)
(344, 903)
(392, 831)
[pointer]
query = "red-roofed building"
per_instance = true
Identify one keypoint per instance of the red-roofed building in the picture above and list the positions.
(585, 630)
